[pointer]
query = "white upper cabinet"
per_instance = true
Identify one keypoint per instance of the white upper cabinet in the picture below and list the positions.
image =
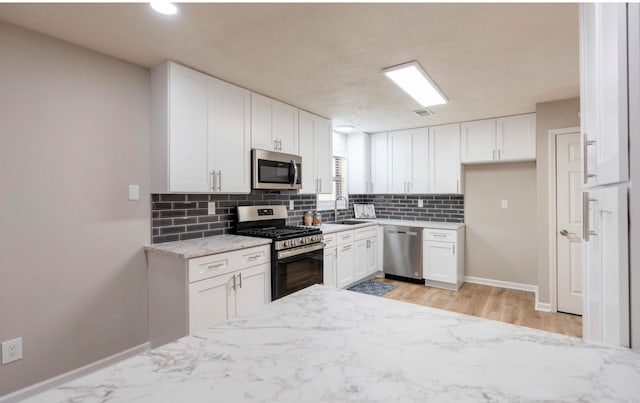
(379, 168)
(199, 133)
(274, 125)
(358, 171)
(316, 152)
(516, 138)
(444, 159)
(229, 137)
(507, 139)
(604, 103)
(399, 160)
(420, 161)
(478, 141)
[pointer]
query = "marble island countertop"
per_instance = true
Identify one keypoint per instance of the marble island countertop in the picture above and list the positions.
(329, 345)
(206, 246)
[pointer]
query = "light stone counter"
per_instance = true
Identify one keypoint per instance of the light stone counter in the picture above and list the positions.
(330, 228)
(329, 345)
(206, 246)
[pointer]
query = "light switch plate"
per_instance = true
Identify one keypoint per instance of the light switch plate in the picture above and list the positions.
(420, 203)
(211, 208)
(11, 350)
(504, 204)
(291, 204)
(134, 192)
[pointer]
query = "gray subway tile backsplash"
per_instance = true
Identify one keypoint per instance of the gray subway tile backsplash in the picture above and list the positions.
(185, 216)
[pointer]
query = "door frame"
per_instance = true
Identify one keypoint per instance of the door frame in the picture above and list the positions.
(551, 229)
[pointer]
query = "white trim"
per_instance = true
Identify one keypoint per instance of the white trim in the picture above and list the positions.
(551, 224)
(73, 374)
(539, 306)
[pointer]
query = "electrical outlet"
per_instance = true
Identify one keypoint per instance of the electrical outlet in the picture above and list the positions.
(291, 204)
(420, 203)
(134, 192)
(211, 208)
(504, 204)
(11, 350)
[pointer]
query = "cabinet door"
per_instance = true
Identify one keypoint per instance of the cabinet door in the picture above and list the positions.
(252, 287)
(261, 123)
(444, 159)
(345, 263)
(307, 152)
(478, 141)
(359, 265)
(371, 256)
(379, 165)
(607, 288)
(358, 163)
(516, 138)
(588, 90)
(439, 262)
(323, 145)
(399, 160)
(285, 127)
(329, 267)
(612, 132)
(420, 161)
(211, 301)
(230, 137)
(188, 136)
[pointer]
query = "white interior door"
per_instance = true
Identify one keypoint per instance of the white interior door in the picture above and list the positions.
(569, 223)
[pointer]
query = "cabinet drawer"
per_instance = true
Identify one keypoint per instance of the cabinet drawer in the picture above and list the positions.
(209, 266)
(214, 265)
(368, 232)
(252, 257)
(329, 240)
(344, 237)
(440, 235)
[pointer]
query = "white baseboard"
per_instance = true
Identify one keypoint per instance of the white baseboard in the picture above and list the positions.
(71, 375)
(539, 306)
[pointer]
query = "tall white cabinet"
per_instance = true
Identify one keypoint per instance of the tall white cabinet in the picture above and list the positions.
(444, 159)
(200, 131)
(379, 165)
(359, 171)
(316, 152)
(605, 134)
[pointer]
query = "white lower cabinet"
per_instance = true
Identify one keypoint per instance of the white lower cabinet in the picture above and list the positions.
(186, 295)
(351, 256)
(443, 258)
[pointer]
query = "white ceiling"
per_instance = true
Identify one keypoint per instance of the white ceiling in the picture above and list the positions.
(489, 59)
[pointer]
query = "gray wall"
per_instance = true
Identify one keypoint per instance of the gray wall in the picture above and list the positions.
(549, 115)
(501, 243)
(74, 133)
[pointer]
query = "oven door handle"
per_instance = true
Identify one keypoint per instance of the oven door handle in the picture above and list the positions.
(300, 250)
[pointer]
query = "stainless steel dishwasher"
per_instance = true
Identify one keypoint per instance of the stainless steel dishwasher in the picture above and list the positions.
(403, 251)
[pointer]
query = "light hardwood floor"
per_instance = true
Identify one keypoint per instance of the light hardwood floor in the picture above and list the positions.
(502, 304)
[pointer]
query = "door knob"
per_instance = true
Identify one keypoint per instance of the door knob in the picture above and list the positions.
(564, 232)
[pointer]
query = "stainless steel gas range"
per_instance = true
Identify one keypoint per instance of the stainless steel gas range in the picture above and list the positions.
(297, 253)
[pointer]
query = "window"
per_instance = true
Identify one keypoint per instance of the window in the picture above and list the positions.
(326, 201)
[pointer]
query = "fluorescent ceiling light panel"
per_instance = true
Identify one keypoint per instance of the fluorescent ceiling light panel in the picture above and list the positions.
(344, 129)
(164, 7)
(415, 82)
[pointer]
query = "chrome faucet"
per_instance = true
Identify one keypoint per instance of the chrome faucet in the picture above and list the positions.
(335, 207)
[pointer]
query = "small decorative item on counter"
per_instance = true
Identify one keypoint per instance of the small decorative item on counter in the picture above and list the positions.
(308, 218)
(317, 219)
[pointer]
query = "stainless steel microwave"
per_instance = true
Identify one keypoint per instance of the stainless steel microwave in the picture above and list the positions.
(272, 170)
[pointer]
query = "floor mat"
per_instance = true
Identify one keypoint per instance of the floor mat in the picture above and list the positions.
(373, 287)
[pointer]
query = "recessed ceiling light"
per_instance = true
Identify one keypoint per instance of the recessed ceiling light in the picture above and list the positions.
(412, 78)
(164, 7)
(344, 129)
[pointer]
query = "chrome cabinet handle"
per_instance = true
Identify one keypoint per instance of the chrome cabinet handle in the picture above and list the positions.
(240, 278)
(346, 247)
(233, 287)
(275, 144)
(586, 225)
(498, 153)
(213, 180)
(254, 257)
(457, 185)
(219, 181)
(493, 155)
(215, 266)
(453, 248)
(585, 161)
(279, 145)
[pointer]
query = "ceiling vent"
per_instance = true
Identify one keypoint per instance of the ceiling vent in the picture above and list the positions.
(423, 113)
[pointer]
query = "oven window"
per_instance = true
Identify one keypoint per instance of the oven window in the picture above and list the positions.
(298, 272)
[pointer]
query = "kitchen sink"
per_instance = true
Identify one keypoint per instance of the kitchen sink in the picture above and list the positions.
(351, 222)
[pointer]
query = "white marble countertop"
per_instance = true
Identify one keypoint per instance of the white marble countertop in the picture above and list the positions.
(329, 345)
(330, 228)
(206, 246)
